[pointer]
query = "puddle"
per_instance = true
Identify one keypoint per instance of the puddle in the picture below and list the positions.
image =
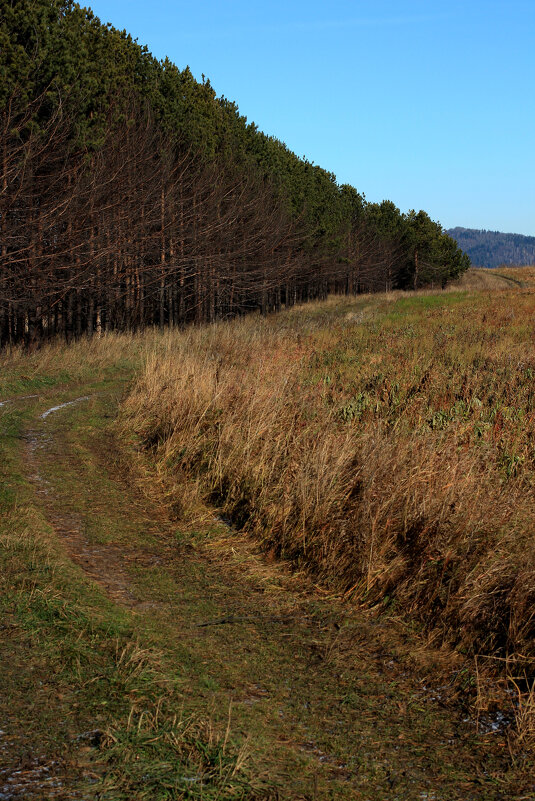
(32, 778)
(487, 723)
(494, 724)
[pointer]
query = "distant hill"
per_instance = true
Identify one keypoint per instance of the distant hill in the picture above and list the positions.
(492, 248)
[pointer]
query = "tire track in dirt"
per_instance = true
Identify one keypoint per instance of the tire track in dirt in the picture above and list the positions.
(104, 564)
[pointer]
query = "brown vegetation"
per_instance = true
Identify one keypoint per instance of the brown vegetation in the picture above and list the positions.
(131, 196)
(384, 444)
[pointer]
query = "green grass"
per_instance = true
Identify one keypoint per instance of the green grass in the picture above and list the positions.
(72, 659)
(417, 303)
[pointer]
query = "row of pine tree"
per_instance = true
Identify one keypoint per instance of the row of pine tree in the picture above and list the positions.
(132, 195)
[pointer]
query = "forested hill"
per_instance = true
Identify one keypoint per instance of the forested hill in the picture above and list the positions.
(492, 248)
(132, 195)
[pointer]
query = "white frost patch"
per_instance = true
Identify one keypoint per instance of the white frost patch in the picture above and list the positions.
(21, 397)
(62, 406)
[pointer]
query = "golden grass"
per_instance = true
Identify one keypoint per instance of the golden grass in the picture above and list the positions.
(480, 279)
(524, 274)
(385, 444)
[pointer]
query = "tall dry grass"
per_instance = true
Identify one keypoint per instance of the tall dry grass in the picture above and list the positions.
(88, 359)
(386, 445)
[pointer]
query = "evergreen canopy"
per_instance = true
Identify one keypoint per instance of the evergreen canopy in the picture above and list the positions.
(132, 195)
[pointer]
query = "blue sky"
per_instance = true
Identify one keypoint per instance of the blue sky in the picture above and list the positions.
(425, 102)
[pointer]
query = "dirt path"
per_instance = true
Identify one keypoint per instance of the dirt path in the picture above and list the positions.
(482, 279)
(104, 563)
(324, 701)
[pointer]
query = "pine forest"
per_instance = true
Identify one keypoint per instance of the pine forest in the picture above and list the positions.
(132, 195)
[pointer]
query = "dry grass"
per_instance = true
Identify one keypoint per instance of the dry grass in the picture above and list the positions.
(60, 363)
(386, 445)
(526, 275)
(488, 280)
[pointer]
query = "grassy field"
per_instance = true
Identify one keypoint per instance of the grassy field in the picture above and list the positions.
(383, 443)
(379, 451)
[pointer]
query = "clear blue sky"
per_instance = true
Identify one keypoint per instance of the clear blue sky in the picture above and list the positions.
(429, 103)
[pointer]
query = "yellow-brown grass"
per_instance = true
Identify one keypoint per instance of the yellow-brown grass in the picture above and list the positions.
(487, 280)
(385, 444)
(79, 358)
(526, 275)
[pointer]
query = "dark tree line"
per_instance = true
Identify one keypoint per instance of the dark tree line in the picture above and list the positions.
(132, 196)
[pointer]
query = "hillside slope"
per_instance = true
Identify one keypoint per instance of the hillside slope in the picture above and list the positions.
(492, 248)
